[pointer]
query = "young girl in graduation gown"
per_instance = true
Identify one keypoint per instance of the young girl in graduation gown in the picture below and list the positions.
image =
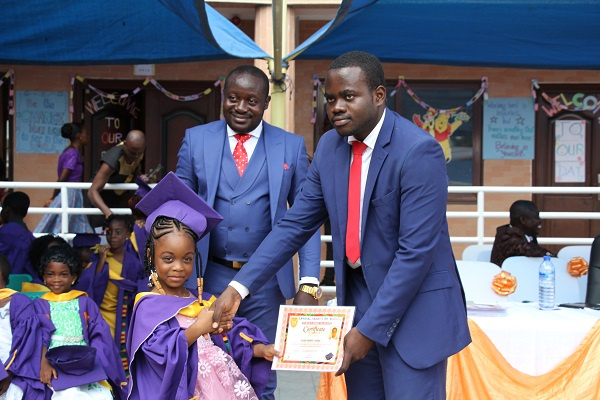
(172, 357)
(71, 323)
(19, 343)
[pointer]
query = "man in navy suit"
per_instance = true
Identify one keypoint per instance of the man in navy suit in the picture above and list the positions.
(249, 171)
(410, 312)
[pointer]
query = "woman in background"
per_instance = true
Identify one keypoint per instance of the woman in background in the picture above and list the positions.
(70, 169)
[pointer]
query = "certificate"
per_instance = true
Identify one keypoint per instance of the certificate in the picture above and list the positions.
(310, 338)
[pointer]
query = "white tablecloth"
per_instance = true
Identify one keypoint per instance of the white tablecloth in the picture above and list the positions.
(535, 341)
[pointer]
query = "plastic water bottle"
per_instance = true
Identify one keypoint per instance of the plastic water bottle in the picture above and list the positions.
(546, 284)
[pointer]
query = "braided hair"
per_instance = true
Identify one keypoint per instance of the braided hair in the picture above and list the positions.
(162, 226)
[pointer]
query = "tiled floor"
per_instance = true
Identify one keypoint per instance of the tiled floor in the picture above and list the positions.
(293, 385)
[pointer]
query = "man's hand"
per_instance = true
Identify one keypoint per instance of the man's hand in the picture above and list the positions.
(225, 308)
(356, 347)
(305, 299)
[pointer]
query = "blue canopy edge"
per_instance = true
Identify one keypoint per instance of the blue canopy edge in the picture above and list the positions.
(559, 34)
(112, 32)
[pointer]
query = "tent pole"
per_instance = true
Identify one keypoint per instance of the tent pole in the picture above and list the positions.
(278, 106)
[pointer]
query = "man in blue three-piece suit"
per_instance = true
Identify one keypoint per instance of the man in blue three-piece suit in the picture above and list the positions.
(383, 183)
(249, 171)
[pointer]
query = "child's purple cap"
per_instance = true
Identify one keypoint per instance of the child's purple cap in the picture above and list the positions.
(86, 240)
(172, 198)
(143, 188)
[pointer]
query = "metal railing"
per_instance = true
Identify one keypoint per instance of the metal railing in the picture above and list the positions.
(480, 214)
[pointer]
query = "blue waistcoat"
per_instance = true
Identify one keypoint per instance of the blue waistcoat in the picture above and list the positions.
(244, 204)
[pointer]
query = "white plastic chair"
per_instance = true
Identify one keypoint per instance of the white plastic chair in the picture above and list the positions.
(478, 252)
(568, 252)
(476, 277)
(526, 270)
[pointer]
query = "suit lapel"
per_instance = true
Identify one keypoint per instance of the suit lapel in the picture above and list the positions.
(213, 157)
(377, 159)
(275, 153)
(341, 166)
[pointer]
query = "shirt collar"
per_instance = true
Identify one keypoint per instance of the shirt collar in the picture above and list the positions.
(256, 132)
(371, 138)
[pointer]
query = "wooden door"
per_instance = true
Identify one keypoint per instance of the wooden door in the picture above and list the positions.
(167, 119)
(567, 154)
(162, 118)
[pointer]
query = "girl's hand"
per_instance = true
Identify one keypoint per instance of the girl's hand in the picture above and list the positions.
(5, 383)
(266, 351)
(204, 321)
(102, 253)
(47, 372)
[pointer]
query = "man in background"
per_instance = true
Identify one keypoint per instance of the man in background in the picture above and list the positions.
(120, 164)
(519, 238)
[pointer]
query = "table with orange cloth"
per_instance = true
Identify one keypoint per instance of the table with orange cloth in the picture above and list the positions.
(529, 354)
(524, 354)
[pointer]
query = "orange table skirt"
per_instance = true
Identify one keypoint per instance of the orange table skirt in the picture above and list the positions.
(480, 372)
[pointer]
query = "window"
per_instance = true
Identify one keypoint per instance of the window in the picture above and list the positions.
(459, 134)
(461, 140)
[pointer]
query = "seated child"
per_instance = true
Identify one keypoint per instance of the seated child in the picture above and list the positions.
(19, 343)
(15, 237)
(70, 324)
(84, 244)
(172, 357)
(37, 248)
(111, 279)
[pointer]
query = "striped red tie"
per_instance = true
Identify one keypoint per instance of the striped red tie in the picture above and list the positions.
(352, 228)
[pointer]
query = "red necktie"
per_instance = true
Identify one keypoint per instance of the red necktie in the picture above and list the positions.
(239, 153)
(352, 228)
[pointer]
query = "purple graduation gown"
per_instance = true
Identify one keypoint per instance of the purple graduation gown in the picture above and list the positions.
(26, 349)
(95, 284)
(97, 335)
(162, 365)
(15, 240)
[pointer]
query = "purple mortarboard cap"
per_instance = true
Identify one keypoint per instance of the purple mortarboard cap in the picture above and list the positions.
(172, 198)
(86, 240)
(75, 366)
(143, 188)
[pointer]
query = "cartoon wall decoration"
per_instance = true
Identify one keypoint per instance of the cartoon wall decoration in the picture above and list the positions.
(441, 124)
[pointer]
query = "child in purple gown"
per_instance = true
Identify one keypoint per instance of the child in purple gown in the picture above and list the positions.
(19, 343)
(172, 356)
(79, 359)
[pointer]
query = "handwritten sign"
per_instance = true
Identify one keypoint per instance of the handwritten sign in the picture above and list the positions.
(508, 129)
(40, 115)
(569, 151)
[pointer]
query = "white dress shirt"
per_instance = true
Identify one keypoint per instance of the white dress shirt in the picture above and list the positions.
(370, 141)
(249, 144)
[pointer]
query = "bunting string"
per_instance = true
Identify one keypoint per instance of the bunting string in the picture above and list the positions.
(318, 87)
(578, 102)
(10, 77)
(481, 92)
(112, 96)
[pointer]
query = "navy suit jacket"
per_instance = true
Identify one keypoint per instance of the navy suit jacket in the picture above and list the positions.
(199, 166)
(415, 293)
